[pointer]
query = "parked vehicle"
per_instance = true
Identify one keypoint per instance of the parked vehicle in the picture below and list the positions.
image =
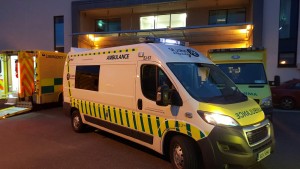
(287, 95)
(169, 98)
(29, 78)
(246, 68)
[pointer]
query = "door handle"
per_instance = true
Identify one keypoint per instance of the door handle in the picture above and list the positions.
(140, 104)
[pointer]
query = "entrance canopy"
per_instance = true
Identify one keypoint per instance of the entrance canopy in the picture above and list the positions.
(196, 35)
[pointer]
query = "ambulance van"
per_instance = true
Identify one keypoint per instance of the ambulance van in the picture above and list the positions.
(169, 98)
(246, 68)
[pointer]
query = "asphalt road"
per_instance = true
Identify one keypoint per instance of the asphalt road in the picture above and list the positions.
(45, 140)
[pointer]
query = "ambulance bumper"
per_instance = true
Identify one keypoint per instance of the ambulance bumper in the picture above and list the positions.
(228, 147)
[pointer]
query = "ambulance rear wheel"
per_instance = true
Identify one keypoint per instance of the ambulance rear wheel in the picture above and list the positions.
(183, 153)
(77, 124)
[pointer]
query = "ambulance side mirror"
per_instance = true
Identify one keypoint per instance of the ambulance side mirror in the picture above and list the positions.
(162, 95)
(165, 96)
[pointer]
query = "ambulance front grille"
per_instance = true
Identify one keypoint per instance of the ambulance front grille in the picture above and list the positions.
(258, 135)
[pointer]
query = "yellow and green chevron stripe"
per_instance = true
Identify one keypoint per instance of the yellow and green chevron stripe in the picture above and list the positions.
(141, 122)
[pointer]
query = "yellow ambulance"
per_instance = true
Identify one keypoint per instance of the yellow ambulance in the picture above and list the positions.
(30, 78)
(169, 98)
(246, 68)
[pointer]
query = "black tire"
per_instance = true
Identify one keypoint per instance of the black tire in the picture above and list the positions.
(60, 101)
(287, 103)
(76, 122)
(184, 154)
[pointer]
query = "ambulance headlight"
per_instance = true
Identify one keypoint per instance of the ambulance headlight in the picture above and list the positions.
(266, 102)
(218, 119)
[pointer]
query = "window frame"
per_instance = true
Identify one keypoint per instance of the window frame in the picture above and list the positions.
(56, 20)
(108, 20)
(157, 80)
(155, 18)
(227, 15)
(78, 81)
(294, 64)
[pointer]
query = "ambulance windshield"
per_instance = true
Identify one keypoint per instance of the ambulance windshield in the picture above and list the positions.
(207, 83)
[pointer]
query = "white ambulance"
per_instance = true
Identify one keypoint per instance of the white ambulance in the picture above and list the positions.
(169, 98)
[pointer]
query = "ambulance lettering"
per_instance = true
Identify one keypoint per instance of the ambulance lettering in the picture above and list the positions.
(247, 113)
(187, 52)
(117, 57)
(250, 94)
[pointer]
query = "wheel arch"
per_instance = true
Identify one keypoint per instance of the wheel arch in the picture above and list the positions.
(167, 140)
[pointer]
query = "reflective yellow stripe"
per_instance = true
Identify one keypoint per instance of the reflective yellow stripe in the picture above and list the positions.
(150, 124)
(195, 133)
(154, 126)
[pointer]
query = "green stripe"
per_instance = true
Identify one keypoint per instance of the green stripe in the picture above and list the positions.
(167, 124)
(83, 107)
(128, 125)
(158, 126)
(121, 116)
(94, 107)
(104, 112)
(88, 108)
(116, 120)
(58, 81)
(109, 113)
(142, 122)
(99, 109)
(202, 134)
(188, 128)
(150, 125)
(177, 126)
(134, 120)
(47, 89)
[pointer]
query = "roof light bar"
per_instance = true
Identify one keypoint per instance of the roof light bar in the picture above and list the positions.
(161, 40)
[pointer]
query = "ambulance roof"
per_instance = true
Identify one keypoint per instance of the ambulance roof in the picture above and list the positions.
(144, 51)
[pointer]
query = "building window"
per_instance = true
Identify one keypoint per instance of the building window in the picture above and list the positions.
(287, 59)
(59, 33)
(288, 33)
(227, 16)
(108, 25)
(87, 77)
(285, 19)
(163, 21)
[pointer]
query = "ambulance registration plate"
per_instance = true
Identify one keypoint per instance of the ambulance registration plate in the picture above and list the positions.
(264, 154)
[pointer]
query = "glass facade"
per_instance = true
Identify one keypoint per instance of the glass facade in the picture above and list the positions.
(108, 25)
(59, 33)
(288, 33)
(227, 16)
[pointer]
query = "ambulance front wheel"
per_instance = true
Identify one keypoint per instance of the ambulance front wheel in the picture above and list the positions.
(184, 154)
(77, 124)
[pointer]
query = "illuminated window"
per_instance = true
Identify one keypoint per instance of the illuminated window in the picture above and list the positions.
(227, 16)
(147, 22)
(108, 25)
(287, 59)
(178, 20)
(163, 21)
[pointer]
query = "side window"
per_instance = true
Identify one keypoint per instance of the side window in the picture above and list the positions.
(87, 77)
(151, 78)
